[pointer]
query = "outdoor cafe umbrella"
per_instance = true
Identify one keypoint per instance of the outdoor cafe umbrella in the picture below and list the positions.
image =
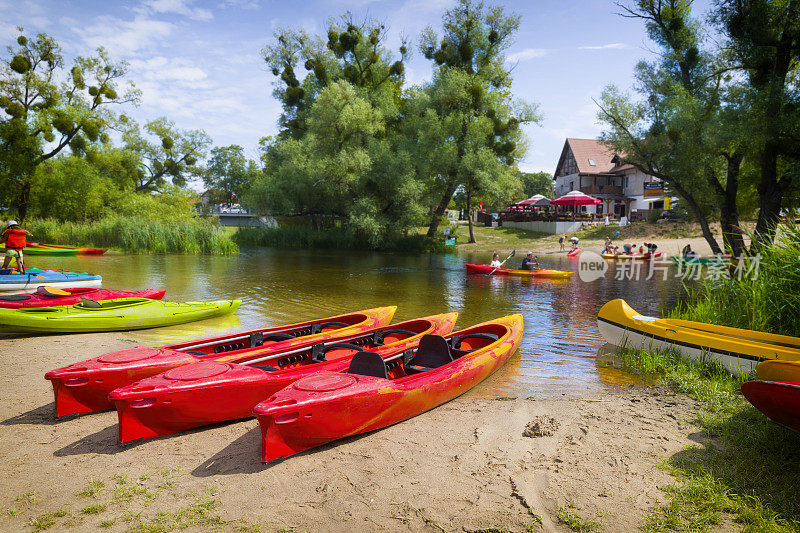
(575, 198)
(535, 200)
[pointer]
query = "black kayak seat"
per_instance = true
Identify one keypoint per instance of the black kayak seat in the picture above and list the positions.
(195, 352)
(433, 352)
(275, 337)
(265, 367)
(90, 304)
(368, 364)
(456, 341)
(380, 335)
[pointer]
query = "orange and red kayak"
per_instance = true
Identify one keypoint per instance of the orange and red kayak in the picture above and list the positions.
(204, 393)
(84, 387)
(541, 273)
(378, 390)
(778, 400)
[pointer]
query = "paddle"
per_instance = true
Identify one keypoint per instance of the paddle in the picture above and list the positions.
(513, 253)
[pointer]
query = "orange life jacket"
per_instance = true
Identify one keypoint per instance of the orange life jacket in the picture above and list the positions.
(15, 239)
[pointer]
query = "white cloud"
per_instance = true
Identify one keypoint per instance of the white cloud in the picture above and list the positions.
(180, 7)
(610, 46)
(122, 37)
(524, 55)
(162, 69)
(239, 4)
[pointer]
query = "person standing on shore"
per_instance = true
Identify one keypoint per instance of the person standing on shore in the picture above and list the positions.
(15, 239)
(561, 242)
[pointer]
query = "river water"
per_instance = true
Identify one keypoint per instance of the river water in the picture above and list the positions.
(559, 351)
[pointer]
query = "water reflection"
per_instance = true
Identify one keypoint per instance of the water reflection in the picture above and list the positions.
(558, 355)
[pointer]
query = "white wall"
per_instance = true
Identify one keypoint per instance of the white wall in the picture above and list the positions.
(562, 184)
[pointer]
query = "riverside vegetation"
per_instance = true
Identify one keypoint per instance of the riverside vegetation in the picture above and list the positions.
(745, 467)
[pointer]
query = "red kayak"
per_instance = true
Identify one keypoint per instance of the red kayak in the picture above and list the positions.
(779, 401)
(379, 390)
(573, 253)
(83, 387)
(48, 296)
(204, 393)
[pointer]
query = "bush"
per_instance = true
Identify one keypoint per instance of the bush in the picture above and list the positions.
(654, 215)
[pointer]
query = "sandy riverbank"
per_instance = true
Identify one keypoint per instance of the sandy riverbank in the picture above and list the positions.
(464, 466)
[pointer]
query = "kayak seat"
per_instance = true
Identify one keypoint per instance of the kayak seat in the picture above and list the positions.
(381, 334)
(265, 367)
(342, 345)
(368, 364)
(90, 304)
(317, 328)
(256, 339)
(433, 352)
(275, 337)
(195, 352)
(456, 341)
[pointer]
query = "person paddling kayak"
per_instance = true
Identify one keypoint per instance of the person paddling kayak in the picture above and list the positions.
(15, 239)
(529, 262)
(496, 261)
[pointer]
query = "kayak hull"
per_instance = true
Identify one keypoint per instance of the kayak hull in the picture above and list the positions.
(38, 300)
(574, 253)
(326, 406)
(780, 402)
(208, 392)
(120, 314)
(59, 248)
(736, 349)
(43, 250)
(779, 370)
(49, 278)
(543, 273)
(83, 387)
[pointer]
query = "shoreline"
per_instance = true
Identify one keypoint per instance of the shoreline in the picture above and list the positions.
(477, 472)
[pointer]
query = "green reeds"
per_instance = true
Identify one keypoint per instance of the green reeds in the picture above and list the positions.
(769, 303)
(137, 235)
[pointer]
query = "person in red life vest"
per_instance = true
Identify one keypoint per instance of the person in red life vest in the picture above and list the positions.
(15, 239)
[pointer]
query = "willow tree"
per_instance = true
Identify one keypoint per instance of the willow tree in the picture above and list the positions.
(168, 154)
(47, 108)
(469, 128)
(337, 159)
(763, 38)
(687, 126)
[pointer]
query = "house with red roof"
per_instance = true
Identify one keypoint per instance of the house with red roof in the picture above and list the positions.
(589, 166)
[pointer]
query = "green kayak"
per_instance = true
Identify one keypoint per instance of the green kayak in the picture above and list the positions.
(110, 315)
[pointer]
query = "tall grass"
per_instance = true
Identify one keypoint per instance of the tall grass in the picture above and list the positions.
(770, 302)
(298, 237)
(137, 235)
(743, 466)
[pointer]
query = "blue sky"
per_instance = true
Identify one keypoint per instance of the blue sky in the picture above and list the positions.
(199, 62)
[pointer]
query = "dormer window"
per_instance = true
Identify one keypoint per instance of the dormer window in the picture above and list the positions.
(592, 163)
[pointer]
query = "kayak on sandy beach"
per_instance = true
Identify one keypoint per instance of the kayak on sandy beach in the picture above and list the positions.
(736, 349)
(47, 297)
(119, 314)
(378, 390)
(542, 273)
(207, 392)
(622, 257)
(83, 387)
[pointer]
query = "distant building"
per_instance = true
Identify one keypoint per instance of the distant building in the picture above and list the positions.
(588, 166)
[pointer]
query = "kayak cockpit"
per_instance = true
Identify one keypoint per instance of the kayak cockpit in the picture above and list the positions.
(94, 305)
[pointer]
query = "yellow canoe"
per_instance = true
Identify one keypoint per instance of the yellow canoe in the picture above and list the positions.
(779, 370)
(736, 349)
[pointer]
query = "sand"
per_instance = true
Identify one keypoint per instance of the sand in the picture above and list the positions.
(465, 466)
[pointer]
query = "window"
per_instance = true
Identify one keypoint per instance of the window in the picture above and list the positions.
(592, 163)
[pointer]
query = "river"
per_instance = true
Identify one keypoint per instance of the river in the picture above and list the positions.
(558, 355)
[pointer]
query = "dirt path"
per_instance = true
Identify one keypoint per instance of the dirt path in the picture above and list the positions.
(465, 466)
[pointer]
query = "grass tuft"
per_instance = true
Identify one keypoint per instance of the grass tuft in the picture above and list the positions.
(571, 519)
